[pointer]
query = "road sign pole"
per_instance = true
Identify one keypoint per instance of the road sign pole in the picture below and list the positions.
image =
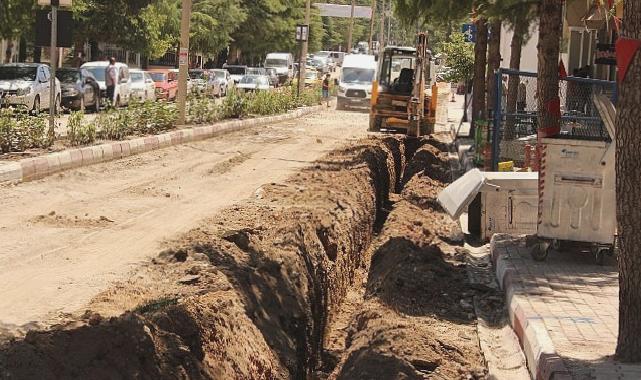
(351, 28)
(183, 61)
(303, 51)
(54, 62)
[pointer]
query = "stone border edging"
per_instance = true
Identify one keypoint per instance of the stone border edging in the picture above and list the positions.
(30, 169)
(544, 363)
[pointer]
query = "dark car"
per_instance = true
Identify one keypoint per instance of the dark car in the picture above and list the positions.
(79, 89)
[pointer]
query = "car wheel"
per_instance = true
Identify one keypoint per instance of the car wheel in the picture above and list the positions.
(36, 106)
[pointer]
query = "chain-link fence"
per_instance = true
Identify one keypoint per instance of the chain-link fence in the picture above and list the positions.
(516, 120)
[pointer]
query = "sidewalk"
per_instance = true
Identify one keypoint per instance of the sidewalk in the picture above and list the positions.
(564, 311)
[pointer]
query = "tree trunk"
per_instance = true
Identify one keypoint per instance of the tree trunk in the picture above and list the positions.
(493, 63)
(548, 102)
(480, 60)
(628, 195)
(520, 28)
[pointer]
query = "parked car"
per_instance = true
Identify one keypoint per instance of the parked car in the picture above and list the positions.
(190, 84)
(273, 76)
(143, 87)
(198, 78)
(251, 83)
(311, 77)
(256, 71)
(99, 70)
(284, 65)
(27, 85)
(166, 84)
(321, 64)
(237, 72)
(223, 77)
(80, 90)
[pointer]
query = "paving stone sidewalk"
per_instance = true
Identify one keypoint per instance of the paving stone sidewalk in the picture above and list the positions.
(564, 310)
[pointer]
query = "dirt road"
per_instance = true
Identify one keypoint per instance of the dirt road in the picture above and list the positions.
(66, 238)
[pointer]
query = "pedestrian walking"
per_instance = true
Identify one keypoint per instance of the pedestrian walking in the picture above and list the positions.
(326, 89)
(111, 78)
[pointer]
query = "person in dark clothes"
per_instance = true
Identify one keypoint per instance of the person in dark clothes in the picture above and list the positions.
(326, 89)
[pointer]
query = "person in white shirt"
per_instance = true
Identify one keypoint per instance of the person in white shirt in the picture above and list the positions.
(111, 77)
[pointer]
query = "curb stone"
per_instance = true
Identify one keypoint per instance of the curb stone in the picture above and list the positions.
(544, 363)
(39, 167)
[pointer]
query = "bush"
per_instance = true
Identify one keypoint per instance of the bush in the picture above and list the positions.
(235, 105)
(203, 110)
(80, 133)
(20, 131)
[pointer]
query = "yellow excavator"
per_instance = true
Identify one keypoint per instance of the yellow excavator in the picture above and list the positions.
(399, 99)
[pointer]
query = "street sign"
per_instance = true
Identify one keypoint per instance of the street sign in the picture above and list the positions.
(302, 32)
(64, 28)
(183, 56)
(57, 3)
(469, 31)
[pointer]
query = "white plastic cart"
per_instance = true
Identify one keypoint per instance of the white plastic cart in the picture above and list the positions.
(577, 191)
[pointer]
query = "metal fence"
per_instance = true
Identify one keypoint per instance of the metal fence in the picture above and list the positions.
(515, 122)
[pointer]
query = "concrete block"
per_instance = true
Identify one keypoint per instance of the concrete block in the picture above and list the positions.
(64, 158)
(28, 169)
(11, 172)
(107, 152)
(97, 154)
(53, 161)
(87, 156)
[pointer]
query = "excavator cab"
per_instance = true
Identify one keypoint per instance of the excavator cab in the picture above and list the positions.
(400, 85)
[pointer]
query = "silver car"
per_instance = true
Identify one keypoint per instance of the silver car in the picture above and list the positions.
(28, 85)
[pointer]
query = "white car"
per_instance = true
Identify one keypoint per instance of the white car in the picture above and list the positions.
(121, 91)
(251, 83)
(28, 85)
(222, 76)
(142, 86)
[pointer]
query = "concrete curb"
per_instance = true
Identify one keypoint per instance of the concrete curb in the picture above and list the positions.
(30, 169)
(542, 359)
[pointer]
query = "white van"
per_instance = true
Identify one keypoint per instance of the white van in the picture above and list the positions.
(284, 65)
(355, 83)
(122, 90)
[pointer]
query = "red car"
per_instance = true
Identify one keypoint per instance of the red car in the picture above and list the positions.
(166, 84)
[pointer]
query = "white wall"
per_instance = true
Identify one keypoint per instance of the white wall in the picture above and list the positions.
(529, 60)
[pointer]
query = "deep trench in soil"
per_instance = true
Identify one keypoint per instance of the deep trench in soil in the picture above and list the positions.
(270, 276)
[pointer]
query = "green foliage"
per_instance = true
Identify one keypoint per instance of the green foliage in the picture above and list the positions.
(234, 105)
(459, 57)
(212, 22)
(19, 131)
(16, 17)
(78, 132)
(203, 110)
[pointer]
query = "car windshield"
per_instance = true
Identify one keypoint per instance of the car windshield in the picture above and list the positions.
(357, 75)
(17, 73)
(67, 76)
(236, 70)
(255, 71)
(276, 62)
(137, 77)
(197, 74)
(321, 54)
(219, 74)
(158, 77)
(254, 79)
(98, 72)
(311, 75)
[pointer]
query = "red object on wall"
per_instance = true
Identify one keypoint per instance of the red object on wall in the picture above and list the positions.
(626, 48)
(553, 107)
(562, 72)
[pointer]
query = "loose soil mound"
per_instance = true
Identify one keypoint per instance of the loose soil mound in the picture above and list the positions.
(276, 269)
(416, 320)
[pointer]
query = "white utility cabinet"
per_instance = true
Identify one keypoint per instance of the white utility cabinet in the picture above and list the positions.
(496, 202)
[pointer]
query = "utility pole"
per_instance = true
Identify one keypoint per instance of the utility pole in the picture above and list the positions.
(53, 50)
(183, 60)
(381, 33)
(389, 23)
(303, 51)
(371, 27)
(351, 28)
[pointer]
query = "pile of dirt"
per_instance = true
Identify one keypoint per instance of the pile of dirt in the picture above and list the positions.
(416, 319)
(429, 158)
(266, 278)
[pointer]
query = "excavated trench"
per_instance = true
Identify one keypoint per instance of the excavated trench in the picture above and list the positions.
(266, 280)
